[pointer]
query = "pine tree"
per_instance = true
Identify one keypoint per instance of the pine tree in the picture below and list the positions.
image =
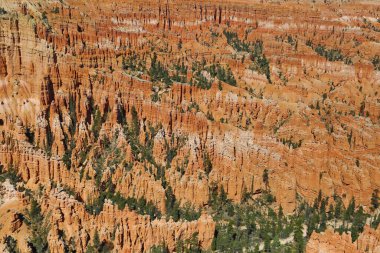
(207, 164)
(257, 249)
(96, 240)
(330, 212)
(358, 223)
(350, 210)
(97, 124)
(266, 178)
(135, 122)
(322, 225)
(245, 195)
(222, 196)
(338, 209)
(375, 199)
(267, 246)
(276, 245)
(280, 212)
(298, 238)
(38, 226)
(11, 244)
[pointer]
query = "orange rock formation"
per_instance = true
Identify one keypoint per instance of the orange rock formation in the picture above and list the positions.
(59, 60)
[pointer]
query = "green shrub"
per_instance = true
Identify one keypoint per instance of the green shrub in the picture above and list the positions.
(30, 135)
(180, 74)
(173, 209)
(10, 174)
(2, 11)
(225, 75)
(162, 248)
(55, 10)
(330, 54)
(190, 245)
(234, 41)
(376, 62)
(134, 62)
(200, 81)
(11, 244)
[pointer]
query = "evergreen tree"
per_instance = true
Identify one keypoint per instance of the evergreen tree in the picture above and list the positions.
(267, 246)
(135, 122)
(96, 240)
(73, 116)
(121, 118)
(207, 164)
(223, 195)
(322, 225)
(350, 210)
(375, 199)
(338, 209)
(257, 249)
(280, 212)
(11, 244)
(358, 224)
(276, 245)
(97, 123)
(331, 212)
(245, 195)
(266, 178)
(298, 238)
(39, 227)
(162, 248)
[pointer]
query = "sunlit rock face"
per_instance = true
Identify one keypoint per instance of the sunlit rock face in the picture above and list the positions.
(149, 98)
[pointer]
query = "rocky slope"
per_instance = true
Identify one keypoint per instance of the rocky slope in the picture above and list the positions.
(333, 242)
(167, 102)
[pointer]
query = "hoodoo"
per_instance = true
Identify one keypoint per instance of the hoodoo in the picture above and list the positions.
(189, 126)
